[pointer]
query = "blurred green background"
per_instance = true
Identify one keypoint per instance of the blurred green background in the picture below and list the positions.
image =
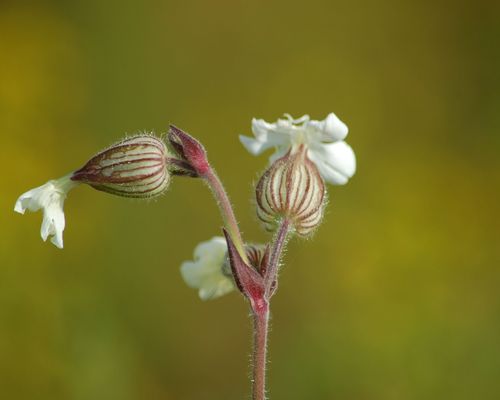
(397, 296)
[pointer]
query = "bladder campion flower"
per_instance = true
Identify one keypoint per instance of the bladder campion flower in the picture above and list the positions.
(134, 167)
(324, 141)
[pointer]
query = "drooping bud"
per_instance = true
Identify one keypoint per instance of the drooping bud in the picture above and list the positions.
(291, 188)
(135, 167)
(191, 152)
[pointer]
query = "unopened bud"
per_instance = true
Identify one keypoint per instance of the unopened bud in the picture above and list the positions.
(291, 189)
(190, 150)
(135, 167)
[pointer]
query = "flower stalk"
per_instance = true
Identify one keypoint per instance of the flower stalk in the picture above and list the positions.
(193, 157)
(261, 312)
(226, 210)
(260, 335)
(279, 243)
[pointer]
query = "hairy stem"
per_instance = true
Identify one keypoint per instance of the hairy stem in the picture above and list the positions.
(274, 259)
(226, 211)
(261, 324)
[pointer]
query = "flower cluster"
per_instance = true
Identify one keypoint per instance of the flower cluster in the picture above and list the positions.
(308, 152)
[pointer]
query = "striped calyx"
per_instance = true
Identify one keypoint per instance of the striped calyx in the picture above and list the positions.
(135, 167)
(257, 256)
(292, 189)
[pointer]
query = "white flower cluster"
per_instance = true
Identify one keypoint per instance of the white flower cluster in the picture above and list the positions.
(324, 141)
(325, 146)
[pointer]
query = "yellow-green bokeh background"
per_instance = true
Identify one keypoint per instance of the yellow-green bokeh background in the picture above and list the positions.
(397, 296)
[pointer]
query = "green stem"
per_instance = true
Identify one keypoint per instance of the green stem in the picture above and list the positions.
(274, 259)
(261, 325)
(226, 211)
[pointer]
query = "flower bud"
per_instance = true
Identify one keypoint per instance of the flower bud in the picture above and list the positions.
(292, 189)
(190, 150)
(135, 167)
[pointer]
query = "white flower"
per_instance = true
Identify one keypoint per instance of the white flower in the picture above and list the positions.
(324, 141)
(51, 198)
(208, 270)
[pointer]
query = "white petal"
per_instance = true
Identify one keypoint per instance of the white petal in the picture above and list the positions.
(19, 207)
(261, 128)
(214, 248)
(254, 146)
(216, 289)
(299, 120)
(49, 197)
(31, 200)
(205, 272)
(56, 215)
(57, 240)
(207, 276)
(334, 128)
(266, 136)
(336, 161)
(330, 130)
(47, 227)
(191, 274)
